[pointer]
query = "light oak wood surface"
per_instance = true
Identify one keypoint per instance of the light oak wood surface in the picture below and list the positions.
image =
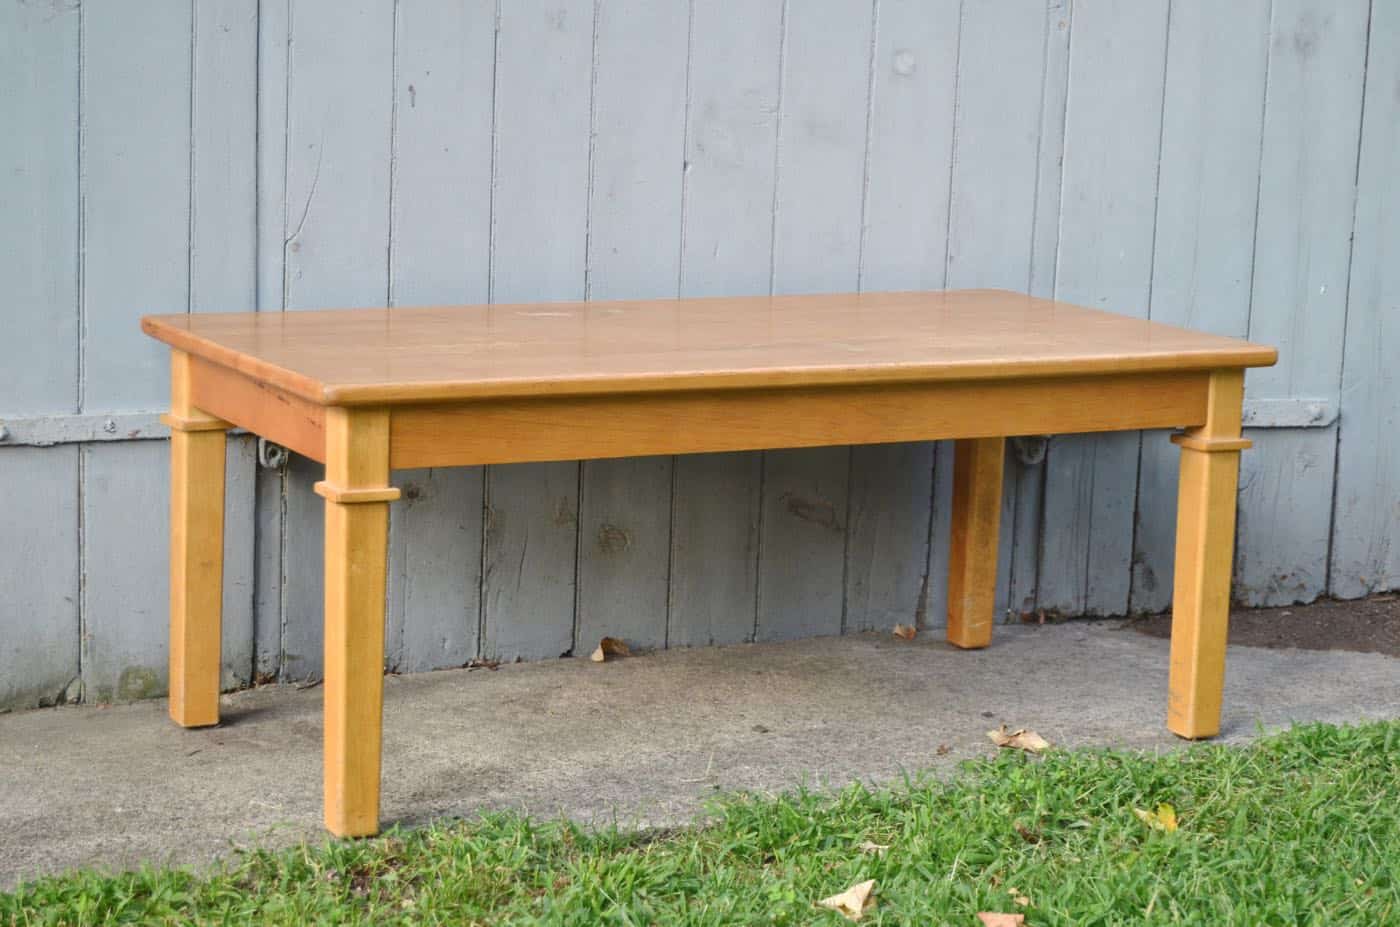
(196, 551)
(370, 356)
(1205, 546)
(972, 556)
(367, 391)
(357, 530)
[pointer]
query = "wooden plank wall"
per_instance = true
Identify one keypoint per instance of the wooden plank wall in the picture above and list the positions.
(1223, 167)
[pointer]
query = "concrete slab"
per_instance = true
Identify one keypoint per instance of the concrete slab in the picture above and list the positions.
(645, 739)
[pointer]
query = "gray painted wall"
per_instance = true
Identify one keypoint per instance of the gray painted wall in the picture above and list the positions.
(1223, 166)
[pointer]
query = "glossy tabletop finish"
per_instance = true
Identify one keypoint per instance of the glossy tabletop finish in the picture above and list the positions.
(377, 356)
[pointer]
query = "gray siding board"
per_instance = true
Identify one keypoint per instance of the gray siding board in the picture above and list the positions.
(223, 269)
(339, 106)
(1117, 60)
(340, 96)
(887, 552)
(135, 195)
(726, 249)
(268, 563)
(440, 253)
(801, 551)
(125, 568)
(905, 234)
(714, 549)
(1366, 536)
(543, 113)
(1217, 56)
(125, 606)
(818, 208)
(1028, 529)
(441, 249)
(39, 203)
(904, 246)
(435, 569)
(1312, 122)
(302, 646)
(39, 622)
(238, 646)
(528, 568)
(731, 134)
(273, 45)
(634, 244)
(623, 549)
(223, 157)
(940, 530)
(995, 172)
(274, 41)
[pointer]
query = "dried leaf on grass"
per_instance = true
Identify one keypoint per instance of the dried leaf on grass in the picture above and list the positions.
(868, 846)
(1019, 898)
(853, 902)
(610, 647)
(906, 632)
(1164, 818)
(1020, 739)
(993, 919)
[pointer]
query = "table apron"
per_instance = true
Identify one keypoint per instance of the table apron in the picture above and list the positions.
(520, 430)
(587, 427)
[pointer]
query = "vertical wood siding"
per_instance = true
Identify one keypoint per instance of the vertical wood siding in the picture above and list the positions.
(1227, 168)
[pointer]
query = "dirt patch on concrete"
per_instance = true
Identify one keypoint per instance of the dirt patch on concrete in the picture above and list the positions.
(1359, 625)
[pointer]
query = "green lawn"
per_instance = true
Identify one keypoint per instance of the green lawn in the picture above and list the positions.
(1301, 828)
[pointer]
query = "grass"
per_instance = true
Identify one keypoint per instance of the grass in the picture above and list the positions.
(1299, 828)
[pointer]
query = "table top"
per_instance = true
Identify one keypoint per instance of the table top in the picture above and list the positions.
(376, 356)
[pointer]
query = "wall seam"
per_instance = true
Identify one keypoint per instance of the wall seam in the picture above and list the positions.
(680, 276)
(1055, 290)
(953, 146)
(1151, 288)
(1330, 568)
(486, 471)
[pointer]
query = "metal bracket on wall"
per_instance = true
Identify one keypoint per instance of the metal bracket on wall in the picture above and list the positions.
(271, 456)
(1030, 449)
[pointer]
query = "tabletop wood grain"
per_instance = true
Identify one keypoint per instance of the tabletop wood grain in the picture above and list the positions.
(375, 356)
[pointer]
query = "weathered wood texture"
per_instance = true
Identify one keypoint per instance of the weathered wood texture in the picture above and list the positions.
(1116, 69)
(1366, 533)
(1302, 254)
(1201, 164)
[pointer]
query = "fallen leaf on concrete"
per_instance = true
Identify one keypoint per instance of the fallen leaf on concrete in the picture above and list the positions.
(1020, 739)
(483, 664)
(1164, 818)
(992, 919)
(610, 647)
(853, 902)
(905, 632)
(876, 848)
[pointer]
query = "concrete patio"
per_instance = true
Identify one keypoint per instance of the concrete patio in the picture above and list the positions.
(644, 739)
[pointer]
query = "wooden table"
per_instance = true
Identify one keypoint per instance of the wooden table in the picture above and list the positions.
(367, 391)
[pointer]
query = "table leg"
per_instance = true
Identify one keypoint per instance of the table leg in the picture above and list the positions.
(1205, 539)
(972, 558)
(196, 552)
(357, 527)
